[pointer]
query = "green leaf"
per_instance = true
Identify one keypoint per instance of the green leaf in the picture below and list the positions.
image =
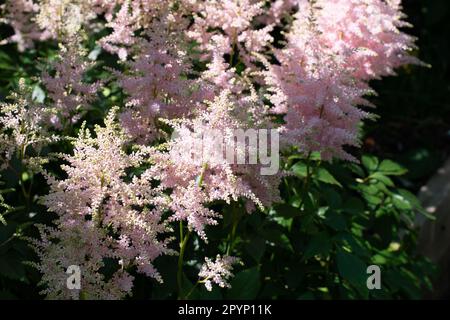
(371, 199)
(382, 178)
(11, 266)
(307, 225)
(38, 94)
(287, 211)
(401, 202)
(336, 221)
(245, 285)
(351, 268)
(332, 197)
(359, 171)
(256, 247)
(356, 245)
(278, 238)
(314, 156)
(389, 167)
(319, 245)
(299, 169)
(400, 278)
(415, 203)
(354, 206)
(325, 176)
(370, 163)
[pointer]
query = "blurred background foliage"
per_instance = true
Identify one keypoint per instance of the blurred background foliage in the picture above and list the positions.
(336, 219)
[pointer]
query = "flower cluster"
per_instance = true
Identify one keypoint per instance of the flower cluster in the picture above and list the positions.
(366, 34)
(333, 49)
(202, 69)
(218, 271)
(21, 15)
(70, 96)
(198, 177)
(22, 127)
(102, 218)
(157, 85)
(235, 21)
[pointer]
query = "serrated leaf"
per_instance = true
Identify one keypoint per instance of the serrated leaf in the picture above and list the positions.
(371, 199)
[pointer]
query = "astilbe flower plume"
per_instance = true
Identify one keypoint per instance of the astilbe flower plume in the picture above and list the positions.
(20, 15)
(367, 33)
(135, 16)
(157, 83)
(217, 272)
(102, 216)
(7, 149)
(198, 173)
(235, 19)
(69, 94)
(279, 9)
(62, 18)
(317, 88)
(4, 207)
(22, 128)
(123, 24)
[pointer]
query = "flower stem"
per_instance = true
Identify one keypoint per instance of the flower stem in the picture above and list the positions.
(183, 244)
(192, 289)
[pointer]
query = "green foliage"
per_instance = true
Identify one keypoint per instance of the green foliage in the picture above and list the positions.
(245, 285)
(334, 222)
